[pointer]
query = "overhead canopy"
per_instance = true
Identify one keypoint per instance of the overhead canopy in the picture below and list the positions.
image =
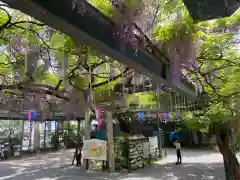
(211, 9)
(64, 18)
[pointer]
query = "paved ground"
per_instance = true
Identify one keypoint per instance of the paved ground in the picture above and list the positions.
(197, 165)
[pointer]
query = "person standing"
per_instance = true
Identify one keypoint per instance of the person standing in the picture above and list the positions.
(79, 147)
(62, 155)
(178, 149)
(75, 155)
(1, 154)
(79, 158)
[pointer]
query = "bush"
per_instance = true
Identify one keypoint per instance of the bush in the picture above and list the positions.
(121, 149)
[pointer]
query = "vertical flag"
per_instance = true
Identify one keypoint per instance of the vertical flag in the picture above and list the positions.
(31, 115)
(140, 116)
(165, 116)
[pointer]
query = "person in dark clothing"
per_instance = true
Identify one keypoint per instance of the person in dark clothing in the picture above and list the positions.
(74, 156)
(78, 158)
(79, 147)
(1, 154)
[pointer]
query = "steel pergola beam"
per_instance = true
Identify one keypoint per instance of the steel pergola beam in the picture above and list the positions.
(96, 30)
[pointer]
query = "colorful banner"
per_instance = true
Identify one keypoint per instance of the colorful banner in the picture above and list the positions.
(140, 116)
(31, 115)
(98, 116)
(95, 149)
(101, 134)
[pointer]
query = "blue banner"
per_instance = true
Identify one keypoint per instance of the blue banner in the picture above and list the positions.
(101, 134)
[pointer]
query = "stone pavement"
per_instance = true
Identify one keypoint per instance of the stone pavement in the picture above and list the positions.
(197, 165)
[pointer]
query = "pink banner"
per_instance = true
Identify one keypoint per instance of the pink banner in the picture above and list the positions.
(99, 117)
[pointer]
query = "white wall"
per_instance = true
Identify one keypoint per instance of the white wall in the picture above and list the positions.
(150, 147)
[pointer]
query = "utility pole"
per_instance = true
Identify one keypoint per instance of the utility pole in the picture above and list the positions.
(110, 143)
(87, 132)
(44, 134)
(158, 134)
(22, 137)
(158, 120)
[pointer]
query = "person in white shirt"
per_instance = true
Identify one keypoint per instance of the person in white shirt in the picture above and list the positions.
(62, 155)
(178, 148)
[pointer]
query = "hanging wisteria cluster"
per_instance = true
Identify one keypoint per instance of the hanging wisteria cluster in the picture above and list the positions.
(125, 15)
(180, 51)
(25, 61)
(135, 18)
(132, 18)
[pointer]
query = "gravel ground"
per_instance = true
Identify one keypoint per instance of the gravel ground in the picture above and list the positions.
(197, 165)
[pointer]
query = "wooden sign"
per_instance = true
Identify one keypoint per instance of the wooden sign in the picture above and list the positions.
(95, 149)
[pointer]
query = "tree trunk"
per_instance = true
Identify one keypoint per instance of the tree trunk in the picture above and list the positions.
(199, 137)
(228, 154)
(78, 136)
(10, 153)
(44, 134)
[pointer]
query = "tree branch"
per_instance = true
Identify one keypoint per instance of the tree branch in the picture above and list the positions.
(112, 79)
(45, 90)
(22, 22)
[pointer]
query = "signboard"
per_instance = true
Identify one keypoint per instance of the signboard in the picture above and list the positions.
(95, 149)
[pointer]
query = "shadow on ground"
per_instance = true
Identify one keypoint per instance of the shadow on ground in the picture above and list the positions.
(197, 165)
(169, 171)
(188, 171)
